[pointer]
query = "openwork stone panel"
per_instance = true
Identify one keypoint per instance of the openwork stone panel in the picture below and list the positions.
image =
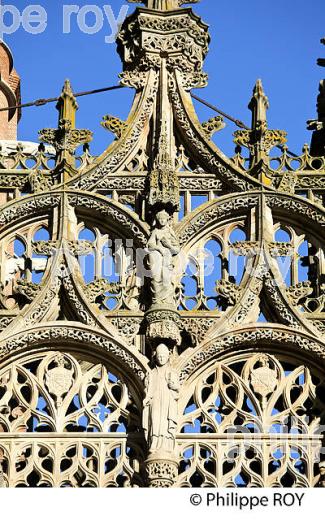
(253, 422)
(162, 305)
(220, 462)
(70, 462)
(58, 393)
(214, 271)
(80, 419)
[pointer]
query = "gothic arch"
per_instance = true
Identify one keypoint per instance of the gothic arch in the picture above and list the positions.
(86, 401)
(78, 337)
(212, 213)
(246, 339)
(39, 204)
(74, 303)
(124, 149)
(242, 417)
(207, 152)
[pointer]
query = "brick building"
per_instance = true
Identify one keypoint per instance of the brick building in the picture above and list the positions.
(9, 94)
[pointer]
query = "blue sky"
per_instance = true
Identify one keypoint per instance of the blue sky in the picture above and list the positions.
(276, 40)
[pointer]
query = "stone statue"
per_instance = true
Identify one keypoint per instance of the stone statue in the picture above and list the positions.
(160, 405)
(163, 246)
(164, 5)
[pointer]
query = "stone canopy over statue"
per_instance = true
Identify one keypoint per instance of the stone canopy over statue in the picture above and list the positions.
(164, 5)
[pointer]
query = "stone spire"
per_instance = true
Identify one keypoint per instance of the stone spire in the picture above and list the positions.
(67, 104)
(163, 5)
(158, 49)
(66, 138)
(9, 94)
(259, 140)
(317, 148)
(259, 104)
(163, 189)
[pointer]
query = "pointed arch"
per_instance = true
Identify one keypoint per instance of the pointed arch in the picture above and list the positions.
(247, 339)
(76, 336)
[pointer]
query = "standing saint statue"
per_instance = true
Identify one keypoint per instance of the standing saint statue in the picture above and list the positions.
(160, 406)
(163, 246)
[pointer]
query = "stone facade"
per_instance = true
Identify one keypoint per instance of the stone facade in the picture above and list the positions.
(144, 342)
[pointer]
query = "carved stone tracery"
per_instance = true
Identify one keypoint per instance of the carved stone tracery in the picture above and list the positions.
(160, 296)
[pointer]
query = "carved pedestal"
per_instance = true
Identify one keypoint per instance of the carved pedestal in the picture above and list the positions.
(163, 324)
(162, 471)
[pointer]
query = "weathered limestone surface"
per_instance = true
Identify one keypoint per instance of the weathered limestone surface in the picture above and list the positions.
(162, 306)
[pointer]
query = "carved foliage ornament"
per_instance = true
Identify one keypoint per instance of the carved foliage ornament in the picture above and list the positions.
(65, 137)
(150, 409)
(74, 335)
(179, 37)
(257, 337)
